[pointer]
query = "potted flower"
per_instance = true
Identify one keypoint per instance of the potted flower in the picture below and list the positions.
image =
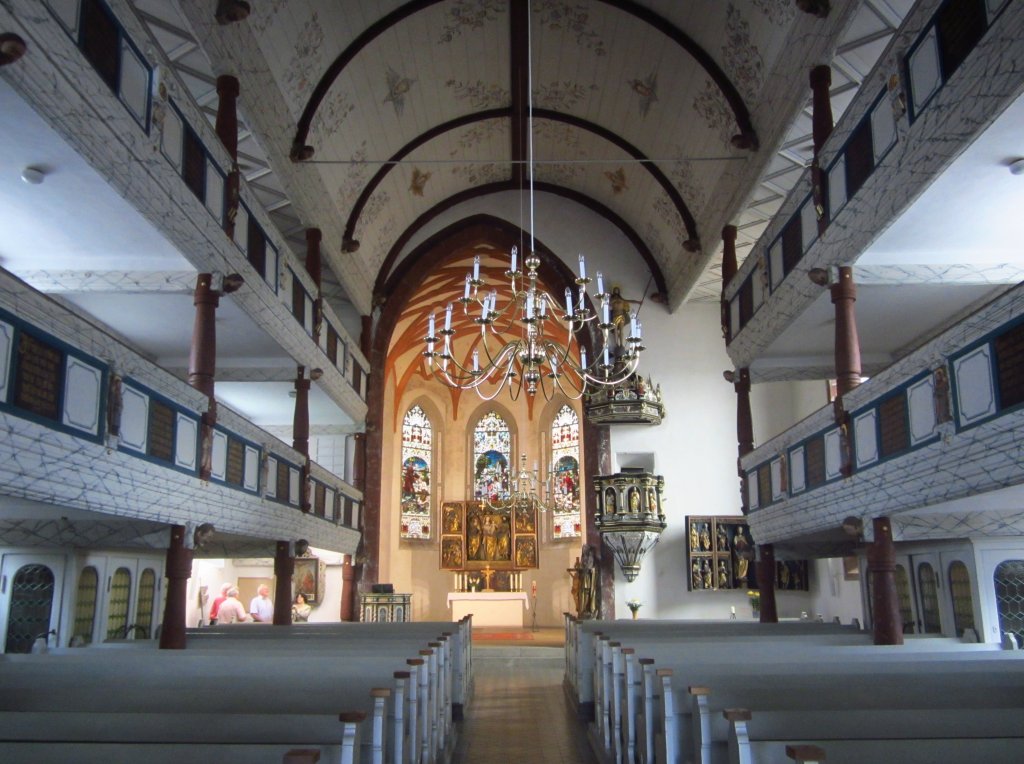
(755, 602)
(634, 606)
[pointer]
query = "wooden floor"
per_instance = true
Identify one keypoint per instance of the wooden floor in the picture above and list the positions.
(519, 713)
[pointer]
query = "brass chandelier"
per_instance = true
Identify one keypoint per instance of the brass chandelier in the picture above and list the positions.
(547, 353)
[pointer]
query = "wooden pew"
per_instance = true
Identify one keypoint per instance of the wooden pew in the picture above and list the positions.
(183, 679)
(681, 727)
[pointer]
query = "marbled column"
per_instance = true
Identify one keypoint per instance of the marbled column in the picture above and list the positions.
(729, 268)
(766, 583)
(359, 465)
(821, 129)
(885, 607)
(348, 589)
(366, 335)
(284, 567)
(227, 131)
(744, 428)
(178, 569)
(314, 265)
(202, 363)
(300, 420)
(202, 358)
(844, 295)
(597, 456)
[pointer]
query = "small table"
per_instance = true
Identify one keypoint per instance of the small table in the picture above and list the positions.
(489, 608)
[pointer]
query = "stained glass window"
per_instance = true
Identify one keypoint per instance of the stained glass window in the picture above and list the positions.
(565, 474)
(417, 437)
(492, 448)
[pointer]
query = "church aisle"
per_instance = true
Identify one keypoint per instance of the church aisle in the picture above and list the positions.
(519, 712)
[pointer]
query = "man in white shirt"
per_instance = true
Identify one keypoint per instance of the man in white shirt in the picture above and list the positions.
(262, 607)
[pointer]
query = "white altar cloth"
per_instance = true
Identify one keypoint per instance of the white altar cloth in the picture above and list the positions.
(489, 608)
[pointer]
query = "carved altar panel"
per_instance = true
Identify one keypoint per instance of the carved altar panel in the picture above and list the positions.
(475, 535)
(720, 555)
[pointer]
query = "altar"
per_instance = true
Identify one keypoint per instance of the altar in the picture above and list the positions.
(489, 608)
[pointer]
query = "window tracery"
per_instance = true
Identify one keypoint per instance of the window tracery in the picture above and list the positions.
(417, 459)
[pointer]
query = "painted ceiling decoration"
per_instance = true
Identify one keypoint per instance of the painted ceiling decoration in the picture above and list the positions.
(391, 275)
(621, 47)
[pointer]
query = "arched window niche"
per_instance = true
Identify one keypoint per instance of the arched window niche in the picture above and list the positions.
(416, 475)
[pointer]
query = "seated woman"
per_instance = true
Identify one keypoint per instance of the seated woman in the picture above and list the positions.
(300, 610)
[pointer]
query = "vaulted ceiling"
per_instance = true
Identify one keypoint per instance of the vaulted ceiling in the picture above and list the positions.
(375, 116)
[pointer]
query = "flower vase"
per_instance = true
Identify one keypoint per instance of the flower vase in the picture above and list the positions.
(636, 614)
(757, 612)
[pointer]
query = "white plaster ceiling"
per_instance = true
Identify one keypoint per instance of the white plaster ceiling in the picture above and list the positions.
(595, 65)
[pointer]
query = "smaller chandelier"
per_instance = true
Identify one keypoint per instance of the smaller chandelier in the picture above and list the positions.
(524, 490)
(546, 352)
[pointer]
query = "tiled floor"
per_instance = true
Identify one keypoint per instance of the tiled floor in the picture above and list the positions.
(519, 713)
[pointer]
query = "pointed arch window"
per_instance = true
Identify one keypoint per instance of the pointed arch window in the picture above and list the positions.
(492, 449)
(565, 474)
(417, 462)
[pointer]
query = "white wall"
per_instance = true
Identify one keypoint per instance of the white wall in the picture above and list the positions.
(777, 406)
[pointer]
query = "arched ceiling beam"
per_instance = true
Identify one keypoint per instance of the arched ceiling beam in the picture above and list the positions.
(746, 138)
(693, 242)
(385, 286)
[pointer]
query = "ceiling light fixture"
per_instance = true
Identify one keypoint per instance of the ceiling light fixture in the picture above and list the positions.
(33, 176)
(548, 352)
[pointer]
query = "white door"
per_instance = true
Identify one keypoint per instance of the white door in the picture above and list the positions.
(31, 593)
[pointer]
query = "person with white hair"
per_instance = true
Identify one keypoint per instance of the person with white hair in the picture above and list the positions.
(262, 607)
(219, 601)
(231, 610)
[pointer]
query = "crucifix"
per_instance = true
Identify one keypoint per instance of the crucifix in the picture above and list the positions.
(487, 572)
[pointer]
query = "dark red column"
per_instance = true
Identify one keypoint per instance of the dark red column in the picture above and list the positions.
(202, 359)
(314, 267)
(227, 131)
(366, 335)
(314, 261)
(885, 609)
(284, 567)
(766, 583)
(178, 569)
(12, 47)
(359, 461)
(300, 421)
(348, 589)
(729, 268)
(597, 454)
(844, 295)
(202, 363)
(744, 427)
(821, 129)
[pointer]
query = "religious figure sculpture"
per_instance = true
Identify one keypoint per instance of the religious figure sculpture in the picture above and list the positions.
(694, 539)
(695, 576)
(585, 584)
(741, 545)
(489, 538)
(705, 537)
(634, 500)
(620, 315)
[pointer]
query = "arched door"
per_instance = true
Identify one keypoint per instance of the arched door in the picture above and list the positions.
(32, 595)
